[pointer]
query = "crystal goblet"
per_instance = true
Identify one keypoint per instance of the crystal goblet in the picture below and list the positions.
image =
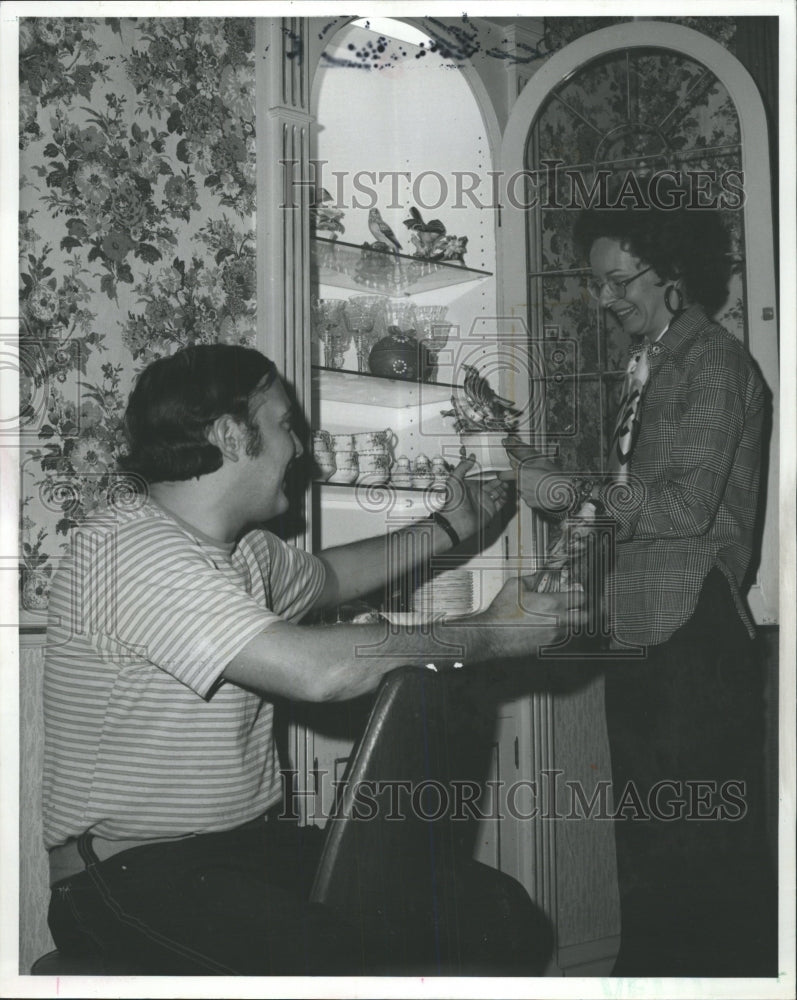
(362, 316)
(327, 316)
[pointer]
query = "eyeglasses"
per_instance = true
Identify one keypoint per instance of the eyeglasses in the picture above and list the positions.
(616, 288)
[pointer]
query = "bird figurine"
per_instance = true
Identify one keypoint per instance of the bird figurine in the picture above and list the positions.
(325, 218)
(415, 220)
(479, 408)
(381, 231)
(452, 248)
(426, 236)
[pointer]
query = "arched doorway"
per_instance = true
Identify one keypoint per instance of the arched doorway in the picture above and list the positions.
(642, 95)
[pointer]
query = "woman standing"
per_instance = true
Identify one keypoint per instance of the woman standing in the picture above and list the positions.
(683, 704)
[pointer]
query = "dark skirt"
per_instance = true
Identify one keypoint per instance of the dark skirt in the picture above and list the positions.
(685, 729)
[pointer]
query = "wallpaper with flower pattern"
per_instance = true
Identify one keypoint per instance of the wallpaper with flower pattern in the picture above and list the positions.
(136, 236)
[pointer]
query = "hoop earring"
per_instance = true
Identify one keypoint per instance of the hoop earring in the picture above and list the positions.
(679, 299)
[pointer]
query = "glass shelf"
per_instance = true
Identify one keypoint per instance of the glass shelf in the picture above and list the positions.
(355, 267)
(346, 386)
(430, 491)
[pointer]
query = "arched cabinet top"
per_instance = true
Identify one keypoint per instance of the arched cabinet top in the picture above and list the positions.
(319, 40)
(641, 34)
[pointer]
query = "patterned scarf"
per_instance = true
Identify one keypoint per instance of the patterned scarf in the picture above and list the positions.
(626, 429)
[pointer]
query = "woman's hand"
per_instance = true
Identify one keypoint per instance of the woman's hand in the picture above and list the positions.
(528, 619)
(471, 503)
(540, 482)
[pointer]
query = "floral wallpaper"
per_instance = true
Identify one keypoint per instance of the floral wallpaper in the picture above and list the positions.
(136, 236)
(658, 110)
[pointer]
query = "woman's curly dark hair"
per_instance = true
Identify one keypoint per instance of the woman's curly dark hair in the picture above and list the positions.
(176, 399)
(690, 244)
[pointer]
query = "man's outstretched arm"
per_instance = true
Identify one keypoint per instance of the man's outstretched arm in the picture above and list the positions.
(336, 662)
(361, 567)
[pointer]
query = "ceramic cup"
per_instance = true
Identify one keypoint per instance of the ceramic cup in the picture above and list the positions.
(320, 442)
(369, 441)
(344, 476)
(347, 468)
(325, 461)
(375, 465)
(341, 442)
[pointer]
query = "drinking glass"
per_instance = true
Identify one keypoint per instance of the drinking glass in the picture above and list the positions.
(362, 316)
(401, 314)
(327, 317)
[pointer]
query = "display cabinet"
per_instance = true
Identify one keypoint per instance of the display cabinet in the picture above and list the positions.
(361, 149)
(402, 411)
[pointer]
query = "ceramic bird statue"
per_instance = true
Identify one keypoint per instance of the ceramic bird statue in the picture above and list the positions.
(453, 248)
(380, 230)
(479, 408)
(426, 236)
(325, 218)
(415, 220)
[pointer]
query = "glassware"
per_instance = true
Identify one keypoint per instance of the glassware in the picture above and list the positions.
(328, 325)
(401, 315)
(433, 331)
(432, 327)
(362, 316)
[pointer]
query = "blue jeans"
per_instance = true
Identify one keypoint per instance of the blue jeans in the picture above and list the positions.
(236, 903)
(231, 903)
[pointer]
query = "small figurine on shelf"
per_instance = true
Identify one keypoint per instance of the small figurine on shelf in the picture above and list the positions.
(325, 218)
(385, 237)
(452, 248)
(426, 236)
(402, 473)
(482, 419)
(422, 476)
(432, 242)
(479, 408)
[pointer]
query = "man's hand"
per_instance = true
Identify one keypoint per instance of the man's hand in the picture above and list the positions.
(540, 482)
(525, 620)
(472, 504)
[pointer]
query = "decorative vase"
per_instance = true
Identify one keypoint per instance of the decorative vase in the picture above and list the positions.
(399, 355)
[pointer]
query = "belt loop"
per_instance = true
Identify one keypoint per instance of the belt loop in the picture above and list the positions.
(85, 849)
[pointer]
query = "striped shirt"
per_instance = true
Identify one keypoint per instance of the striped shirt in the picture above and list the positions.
(691, 499)
(143, 737)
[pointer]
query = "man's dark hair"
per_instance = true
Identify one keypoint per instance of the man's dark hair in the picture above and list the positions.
(176, 399)
(690, 244)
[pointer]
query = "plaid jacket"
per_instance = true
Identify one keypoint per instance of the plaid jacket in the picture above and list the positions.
(692, 494)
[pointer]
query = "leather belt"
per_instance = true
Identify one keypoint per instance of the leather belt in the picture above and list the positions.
(66, 859)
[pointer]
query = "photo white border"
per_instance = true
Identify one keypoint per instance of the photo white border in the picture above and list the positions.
(13, 985)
